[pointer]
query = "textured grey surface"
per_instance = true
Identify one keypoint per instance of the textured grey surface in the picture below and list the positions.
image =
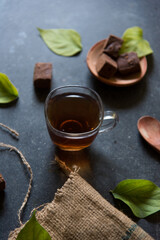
(114, 156)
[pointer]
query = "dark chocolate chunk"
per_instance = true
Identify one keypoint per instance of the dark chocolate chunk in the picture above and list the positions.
(106, 66)
(42, 75)
(112, 46)
(2, 183)
(128, 63)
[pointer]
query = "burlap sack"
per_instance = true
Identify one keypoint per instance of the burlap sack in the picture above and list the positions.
(79, 212)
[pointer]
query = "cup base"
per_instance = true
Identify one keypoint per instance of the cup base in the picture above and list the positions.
(71, 149)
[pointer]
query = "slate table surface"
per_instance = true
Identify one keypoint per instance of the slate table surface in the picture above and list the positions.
(114, 156)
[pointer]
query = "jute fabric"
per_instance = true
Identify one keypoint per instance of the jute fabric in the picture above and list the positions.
(79, 212)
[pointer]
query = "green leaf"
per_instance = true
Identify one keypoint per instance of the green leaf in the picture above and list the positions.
(133, 42)
(33, 230)
(8, 91)
(142, 196)
(65, 42)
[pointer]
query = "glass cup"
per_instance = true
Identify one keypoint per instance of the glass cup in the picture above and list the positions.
(75, 115)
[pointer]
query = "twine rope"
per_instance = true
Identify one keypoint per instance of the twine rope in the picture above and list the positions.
(24, 161)
(10, 129)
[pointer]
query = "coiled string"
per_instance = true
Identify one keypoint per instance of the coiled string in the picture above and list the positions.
(24, 161)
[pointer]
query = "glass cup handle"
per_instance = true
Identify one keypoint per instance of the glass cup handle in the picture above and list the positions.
(110, 120)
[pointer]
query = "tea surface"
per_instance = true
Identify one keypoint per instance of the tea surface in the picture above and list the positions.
(73, 113)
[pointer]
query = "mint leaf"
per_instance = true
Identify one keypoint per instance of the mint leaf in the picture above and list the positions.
(65, 42)
(133, 42)
(142, 196)
(33, 230)
(8, 91)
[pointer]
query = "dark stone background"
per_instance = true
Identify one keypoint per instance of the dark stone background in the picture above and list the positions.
(114, 156)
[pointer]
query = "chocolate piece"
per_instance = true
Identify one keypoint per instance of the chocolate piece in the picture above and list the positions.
(2, 183)
(128, 63)
(112, 46)
(42, 75)
(106, 66)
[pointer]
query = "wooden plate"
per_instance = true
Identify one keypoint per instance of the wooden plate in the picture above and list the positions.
(117, 80)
